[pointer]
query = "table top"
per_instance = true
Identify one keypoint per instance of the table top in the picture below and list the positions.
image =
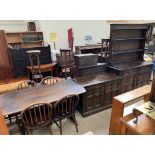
(16, 101)
(96, 79)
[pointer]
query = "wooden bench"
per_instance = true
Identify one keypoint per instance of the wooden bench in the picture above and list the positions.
(121, 101)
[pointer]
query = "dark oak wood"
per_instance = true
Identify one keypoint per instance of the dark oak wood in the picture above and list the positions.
(126, 51)
(16, 101)
(65, 108)
(65, 62)
(37, 116)
(19, 59)
(91, 48)
(100, 89)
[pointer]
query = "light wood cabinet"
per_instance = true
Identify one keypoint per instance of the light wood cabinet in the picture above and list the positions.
(28, 39)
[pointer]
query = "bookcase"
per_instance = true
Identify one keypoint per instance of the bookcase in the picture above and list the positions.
(28, 39)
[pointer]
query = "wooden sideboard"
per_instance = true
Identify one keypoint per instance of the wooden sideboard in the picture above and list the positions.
(100, 90)
(126, 54)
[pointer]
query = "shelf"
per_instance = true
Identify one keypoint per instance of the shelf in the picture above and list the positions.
(121, 39)
(128, 51)
(33, 41)
(17, 42)
(134, 28)
(25, 32)
(25, 39)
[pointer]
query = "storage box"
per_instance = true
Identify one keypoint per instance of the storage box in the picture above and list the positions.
(85, 60)
(86, 71)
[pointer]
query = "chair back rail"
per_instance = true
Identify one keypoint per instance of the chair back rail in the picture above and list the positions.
(49, 80)
(36, 116)
(26, 84)
(66, 106)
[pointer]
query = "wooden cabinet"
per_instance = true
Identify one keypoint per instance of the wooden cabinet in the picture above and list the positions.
(27, 39)
(126, 51)
(98, 95)
(5, 66)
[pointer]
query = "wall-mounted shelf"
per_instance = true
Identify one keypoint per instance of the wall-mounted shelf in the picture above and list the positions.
(128, 51)
(123, 39)
(134, 28)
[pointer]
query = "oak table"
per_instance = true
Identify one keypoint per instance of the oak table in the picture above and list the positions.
(12, 103)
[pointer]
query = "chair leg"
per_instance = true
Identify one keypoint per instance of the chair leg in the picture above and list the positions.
(10, 119)
(30, 132)
(75, 122)
(60, 127)
(50, 127)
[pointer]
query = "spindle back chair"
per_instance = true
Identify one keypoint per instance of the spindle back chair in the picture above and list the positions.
(37, 116)
(26, 84)
(49, 80)
(65, 108)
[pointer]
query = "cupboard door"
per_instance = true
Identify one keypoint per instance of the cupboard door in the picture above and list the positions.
(96, 97)
(108, 92)
(102, 95)
(89, 100)
(115, 88)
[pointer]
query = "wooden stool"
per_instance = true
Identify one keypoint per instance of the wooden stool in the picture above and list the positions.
(145, 125)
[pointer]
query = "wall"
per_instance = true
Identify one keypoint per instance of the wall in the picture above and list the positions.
(98, 29)
(13, 26)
